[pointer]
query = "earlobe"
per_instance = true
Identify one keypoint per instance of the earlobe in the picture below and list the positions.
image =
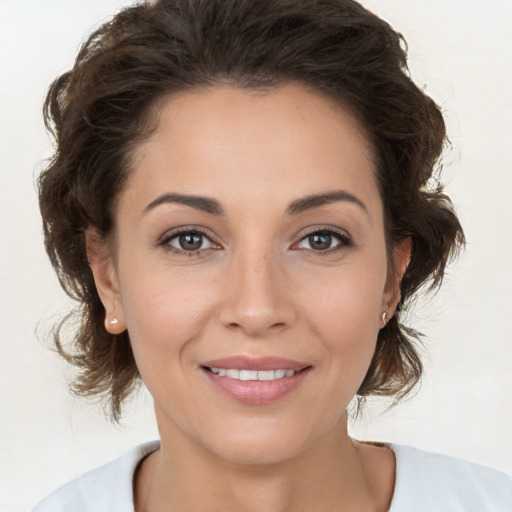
(105, 278)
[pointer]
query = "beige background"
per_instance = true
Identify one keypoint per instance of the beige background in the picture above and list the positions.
(460, 51)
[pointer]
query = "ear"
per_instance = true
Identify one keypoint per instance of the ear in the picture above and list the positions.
(105, 278)
(401, 259)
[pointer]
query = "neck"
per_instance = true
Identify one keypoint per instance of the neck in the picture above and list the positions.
(335, 474)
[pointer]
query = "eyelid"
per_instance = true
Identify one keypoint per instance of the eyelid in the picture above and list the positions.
(172, 234)
(345, 240)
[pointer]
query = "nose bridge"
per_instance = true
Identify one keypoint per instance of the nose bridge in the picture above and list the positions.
(256, 298)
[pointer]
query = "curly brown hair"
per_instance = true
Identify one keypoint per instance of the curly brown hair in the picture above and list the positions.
(106, 105)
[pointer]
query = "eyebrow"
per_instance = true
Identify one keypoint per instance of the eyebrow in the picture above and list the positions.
(213, 207)
(315, 201)
(205, 204)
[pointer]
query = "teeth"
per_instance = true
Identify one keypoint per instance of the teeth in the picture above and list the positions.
(231, 373)
(248, 375)
(266, 375)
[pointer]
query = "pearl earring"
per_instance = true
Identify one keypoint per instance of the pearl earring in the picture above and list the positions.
(385, 318)
(114, 321)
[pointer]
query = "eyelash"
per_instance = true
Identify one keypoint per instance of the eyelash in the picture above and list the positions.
(165, 241)
(344, 240)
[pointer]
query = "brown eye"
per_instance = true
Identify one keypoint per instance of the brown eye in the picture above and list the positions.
(320, 241)
(188, 241)
(325, 240)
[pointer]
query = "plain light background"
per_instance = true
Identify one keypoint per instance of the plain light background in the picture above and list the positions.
(460, 52)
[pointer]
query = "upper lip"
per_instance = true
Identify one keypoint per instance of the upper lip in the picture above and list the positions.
(256, 363)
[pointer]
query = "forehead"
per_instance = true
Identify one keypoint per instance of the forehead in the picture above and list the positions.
(283, 142)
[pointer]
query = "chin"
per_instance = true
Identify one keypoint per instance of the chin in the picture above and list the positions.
(264, 451)
(260, 442)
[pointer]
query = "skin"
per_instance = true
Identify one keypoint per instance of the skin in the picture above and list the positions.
(257, 287)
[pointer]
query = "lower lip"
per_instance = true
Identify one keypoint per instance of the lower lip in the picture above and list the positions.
(257, 392)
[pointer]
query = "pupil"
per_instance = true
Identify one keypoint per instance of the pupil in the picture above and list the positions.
(320, 241)
(191, 241)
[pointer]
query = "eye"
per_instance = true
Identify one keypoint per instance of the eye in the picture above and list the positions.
(187, 241)
(324, 240)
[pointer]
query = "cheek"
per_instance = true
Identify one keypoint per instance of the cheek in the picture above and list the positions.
(347, 299)
(343, 311)
(166, 311)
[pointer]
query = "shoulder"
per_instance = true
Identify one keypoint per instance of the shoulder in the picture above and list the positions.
(426, 481)
(104, 489)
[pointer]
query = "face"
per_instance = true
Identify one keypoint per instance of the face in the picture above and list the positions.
(249, 267)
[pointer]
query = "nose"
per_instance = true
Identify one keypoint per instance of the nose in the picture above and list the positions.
(257, 299)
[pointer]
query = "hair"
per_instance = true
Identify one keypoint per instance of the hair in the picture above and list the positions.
(107, 105)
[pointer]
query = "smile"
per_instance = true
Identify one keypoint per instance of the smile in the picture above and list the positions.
(255, 381)
(233, 373)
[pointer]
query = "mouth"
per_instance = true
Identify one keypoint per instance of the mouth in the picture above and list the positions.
(255, 381)
(247, 374)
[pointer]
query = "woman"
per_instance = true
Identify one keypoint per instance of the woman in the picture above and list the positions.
(242, 199)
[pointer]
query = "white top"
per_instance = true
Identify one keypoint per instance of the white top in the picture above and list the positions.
(425, 482)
